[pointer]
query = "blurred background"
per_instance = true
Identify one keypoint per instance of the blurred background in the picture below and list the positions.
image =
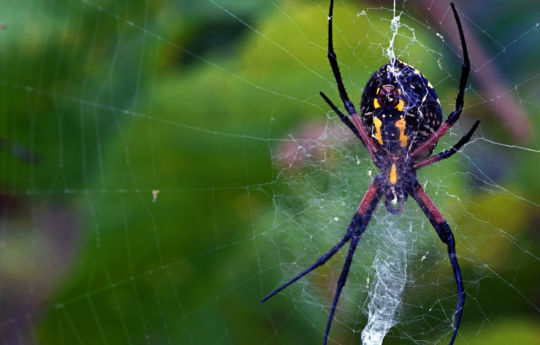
(166, 164)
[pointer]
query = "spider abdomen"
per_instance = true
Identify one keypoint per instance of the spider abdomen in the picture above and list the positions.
(399, 102)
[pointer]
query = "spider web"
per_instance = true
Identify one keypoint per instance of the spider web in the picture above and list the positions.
(167, 164)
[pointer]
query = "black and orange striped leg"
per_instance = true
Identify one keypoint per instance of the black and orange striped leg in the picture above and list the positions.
(454, 116)
(445, 233)
(450, 152)
(354, 231)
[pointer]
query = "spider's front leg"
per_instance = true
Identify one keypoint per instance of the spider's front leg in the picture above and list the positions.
(454, 116)
(445, 233)
(360, 130)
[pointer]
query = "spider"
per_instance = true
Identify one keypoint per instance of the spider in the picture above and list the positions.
(400, 125)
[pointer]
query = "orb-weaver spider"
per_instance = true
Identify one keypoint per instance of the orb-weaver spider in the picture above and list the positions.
(400, 126)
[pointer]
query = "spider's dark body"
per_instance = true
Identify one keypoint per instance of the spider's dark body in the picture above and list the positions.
(400, 123)
(415, 100)
(400, 110)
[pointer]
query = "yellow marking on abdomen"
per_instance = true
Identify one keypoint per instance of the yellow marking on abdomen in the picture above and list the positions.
(376, 103)
(400, 105)
(400, 124)
(378, 125)
(393, 175)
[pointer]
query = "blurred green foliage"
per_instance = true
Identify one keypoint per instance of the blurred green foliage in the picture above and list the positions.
(158, 125)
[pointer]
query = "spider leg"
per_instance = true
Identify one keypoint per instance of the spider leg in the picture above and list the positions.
(445, 233)
(321, 261)
(359, 221)
(356, 229)
(359, 129)
(451, 151)
(349, 106)
(341, 282)
(343, 117)
(454, 116)
(362, 134)
(357, 226)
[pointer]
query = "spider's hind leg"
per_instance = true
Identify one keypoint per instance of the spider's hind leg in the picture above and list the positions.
(341, 283)
(357, 226)
(321, 261)
(445, 233)
(354, 231)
